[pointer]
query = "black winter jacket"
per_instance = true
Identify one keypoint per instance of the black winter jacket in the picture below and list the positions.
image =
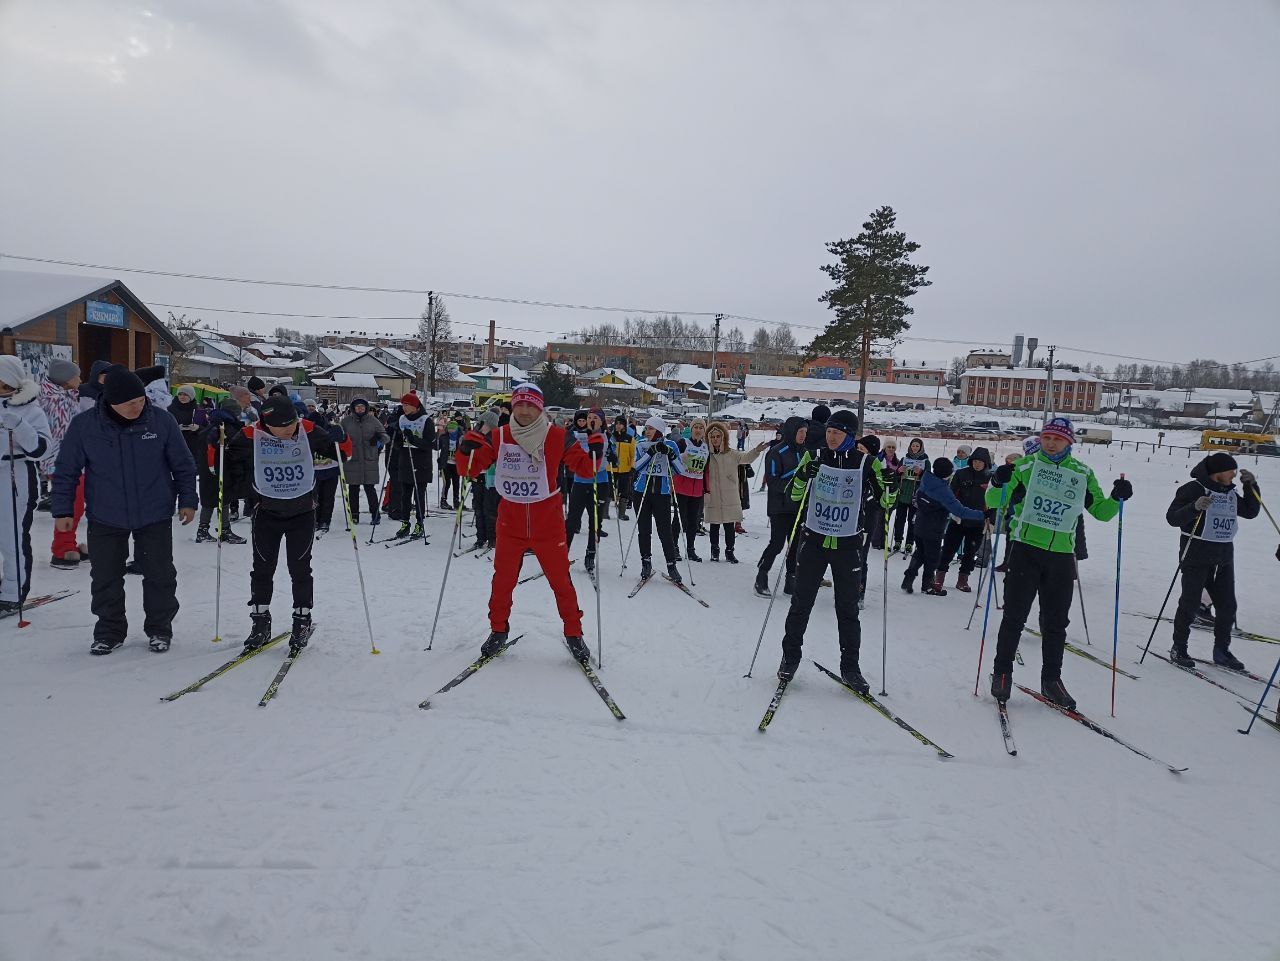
(1182, 514)
(780, 467)
(970, 488)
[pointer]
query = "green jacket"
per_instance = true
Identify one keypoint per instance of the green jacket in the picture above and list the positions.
(850, 459)
(1057, 542)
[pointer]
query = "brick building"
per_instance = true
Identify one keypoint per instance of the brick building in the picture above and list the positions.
(1023, 388)
(643, 361)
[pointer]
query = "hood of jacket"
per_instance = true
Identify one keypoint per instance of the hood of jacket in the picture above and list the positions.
(1200, 474)
(28, 390)
(91, 388)
(791, 427)
(718, 427)
(982, 454)
(921, 453)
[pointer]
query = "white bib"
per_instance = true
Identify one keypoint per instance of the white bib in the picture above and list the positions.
(520, 478)
(1054, 498)
(835, 498)
(660, 463)
(1219, 523)
(282, 469)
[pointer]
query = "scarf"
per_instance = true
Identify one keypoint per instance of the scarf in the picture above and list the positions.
(532, 438)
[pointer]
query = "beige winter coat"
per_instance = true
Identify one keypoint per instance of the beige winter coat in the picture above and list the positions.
(723, 502)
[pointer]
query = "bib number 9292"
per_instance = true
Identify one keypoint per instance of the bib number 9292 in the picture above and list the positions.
(514, 488)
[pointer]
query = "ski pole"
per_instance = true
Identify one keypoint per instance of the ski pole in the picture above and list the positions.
(991, 584)
(595, 547)
(690, 536)
(217, 592)
(631, 539)
(1084, 614)
(457, 534)
(982, 576)
(1181, 558)
(355, 546)
(884, 610)
(1267, 512)
(1115, 635)
(373, 528)
(773, 594)
(1257, 710)
(17, 537)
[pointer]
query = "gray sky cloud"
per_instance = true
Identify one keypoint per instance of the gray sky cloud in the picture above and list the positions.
(1097, 174)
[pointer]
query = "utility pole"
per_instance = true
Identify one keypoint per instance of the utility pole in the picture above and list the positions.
(431, 343)
(711, 388)
(1048, 392)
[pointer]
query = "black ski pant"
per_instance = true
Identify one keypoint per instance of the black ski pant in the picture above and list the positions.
(780, 527)
(370, 496)
(413, 499)
(730, 536)
(449, 478)
(581, 501)
(1032, 572)
(1220, 582)
(326, 493)
(965, 540)
(924, 558)
(688, 517)
(299, 535)
(487, 516)
(656, 509)
(904, 516)
(846, 578)
(395, 495)
(108, 552)
(209, 500)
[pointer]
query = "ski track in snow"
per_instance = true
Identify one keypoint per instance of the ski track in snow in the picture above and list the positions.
(516, 818)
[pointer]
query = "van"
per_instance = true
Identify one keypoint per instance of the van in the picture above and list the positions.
(1093, 435)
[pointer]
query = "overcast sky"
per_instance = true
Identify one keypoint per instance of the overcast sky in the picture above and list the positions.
(1102, 174)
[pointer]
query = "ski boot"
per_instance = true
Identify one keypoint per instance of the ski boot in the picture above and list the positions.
(321, 531)
(1223, 657)
(493, 643)
(231, 537)
(935, 587)
(1204, 616)
(403, 531)
(302, 629)
(646, 568)
(261, 632)
(788, 583)
(9, 609)
(589, 562)
(728, 555)
(159, 642)
(1001, 686)
(578, 648)
(909, 584)
(104, 646)
(715, 552)
(673, 572)
(762, 582)
(693, 556)
(962, 584)
(738, 528)
(417, 531)
(787, 669)
(853, 677)
(67, 562)
(1055, 691)
(1178, 654)
(203, 536)
(897, 548)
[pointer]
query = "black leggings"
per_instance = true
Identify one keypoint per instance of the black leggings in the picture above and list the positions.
(580, 500)
(730, 536)
(449, 476)
(370, 495)
(656, 509)
(299, 535)
(326, 491)
(688, 517)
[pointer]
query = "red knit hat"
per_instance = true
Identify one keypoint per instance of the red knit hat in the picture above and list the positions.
(410, 399)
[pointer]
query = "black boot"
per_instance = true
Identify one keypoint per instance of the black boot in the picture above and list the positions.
(715, 552)
(590, 562)
(728, 555)
(1223, 657)
(673, 572)
(1055, 691)
(159, 642)
(302, 629)
(787, 669)
(493, 643)
(1178, 654)
(579, 650)
(104, 646)
(762, 582)
(788, 583)
(909, 583)
(261, 632)
(203, 536)
(693, 556)
(646, 568)
(853, 677)
(1001, 686)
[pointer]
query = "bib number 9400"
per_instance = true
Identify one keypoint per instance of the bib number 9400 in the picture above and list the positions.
(835, 513)
(283, 473)
(1047, 505)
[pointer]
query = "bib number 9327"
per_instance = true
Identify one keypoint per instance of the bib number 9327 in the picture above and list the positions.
(1047, 505)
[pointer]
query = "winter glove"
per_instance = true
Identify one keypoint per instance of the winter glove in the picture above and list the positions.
(375, 441)
(336, 434)
(471, 442)
(25, 437)
(1247, 478)
(1203, 502)
(1004, 474)
(595, 444)
(612, 458)
(681, 445)
(809, 471)
(1121, 490)
(658, 447)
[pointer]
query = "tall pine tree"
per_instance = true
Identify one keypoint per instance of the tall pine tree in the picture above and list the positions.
(873, 278)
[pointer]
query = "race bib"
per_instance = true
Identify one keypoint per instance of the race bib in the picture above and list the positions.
(410, 426)
(282, 469)
(1219, 523)
(660, 463)
(695, 463)
(835, 498)
(1054, 499)
(520, 478)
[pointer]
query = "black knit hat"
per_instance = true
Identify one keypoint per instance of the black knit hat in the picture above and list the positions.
(121, 386)
(845, 420)
(278, 389)
(278, 411)
(821, 414)
(255, 383)
(942, 467)
(1218, 462)
(870, 443)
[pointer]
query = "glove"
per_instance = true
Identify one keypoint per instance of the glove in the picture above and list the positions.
(681, 445)
(336, 434)
(1247, 478)
(1203, 502)
(25, 437)
(1004, 474)
(612, 458)
(595, 444)
(375, 441)
(810, 470)
(471, 441)
(1121, 490)
(658, 447)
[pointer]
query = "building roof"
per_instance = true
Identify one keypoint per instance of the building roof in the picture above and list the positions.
(339, 379)
(600, 373)
(825, 387)
(1060, 374)
(337, 356)
(27, 295)
(270, 350)
(684, 373)
(500, 370)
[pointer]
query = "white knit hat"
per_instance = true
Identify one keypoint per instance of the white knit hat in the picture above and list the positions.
(658, 424)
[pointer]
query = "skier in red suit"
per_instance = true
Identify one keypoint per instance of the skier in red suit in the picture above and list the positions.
(526, 454)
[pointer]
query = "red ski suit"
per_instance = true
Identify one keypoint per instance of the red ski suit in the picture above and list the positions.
(536, 527)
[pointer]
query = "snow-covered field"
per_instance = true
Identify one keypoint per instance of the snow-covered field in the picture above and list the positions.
(518, 819)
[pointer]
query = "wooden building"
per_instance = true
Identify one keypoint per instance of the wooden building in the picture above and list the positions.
(98, 318)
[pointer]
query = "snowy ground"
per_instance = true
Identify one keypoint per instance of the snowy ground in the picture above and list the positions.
(518, 819)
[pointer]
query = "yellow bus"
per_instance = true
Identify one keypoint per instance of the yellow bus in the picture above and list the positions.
(1233, 441)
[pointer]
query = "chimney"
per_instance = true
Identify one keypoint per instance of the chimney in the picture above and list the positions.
(1018, 341)
(493, 324)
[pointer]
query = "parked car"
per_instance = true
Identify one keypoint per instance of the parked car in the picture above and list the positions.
(1093, 435)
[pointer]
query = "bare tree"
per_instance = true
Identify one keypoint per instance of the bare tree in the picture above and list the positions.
(434, 331)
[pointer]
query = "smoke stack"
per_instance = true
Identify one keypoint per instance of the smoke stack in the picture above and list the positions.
(1032, 344)
(1018, 341)
(493, 324)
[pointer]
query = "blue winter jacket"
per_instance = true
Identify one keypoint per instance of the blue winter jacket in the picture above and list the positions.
(934, 501)
(132, 473)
